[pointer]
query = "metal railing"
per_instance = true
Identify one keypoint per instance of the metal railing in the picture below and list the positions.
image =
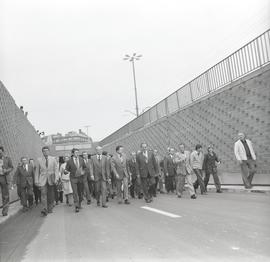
(250, 57)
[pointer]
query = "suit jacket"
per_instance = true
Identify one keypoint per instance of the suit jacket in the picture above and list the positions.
(24, 177)
(182, 161)
(132, 168)
(46, 174)
(169, 166)
(240, 152)
(100, 169)
(119, 168)
(7, 164)
(73, 169)
(147, 166)
(87, 169)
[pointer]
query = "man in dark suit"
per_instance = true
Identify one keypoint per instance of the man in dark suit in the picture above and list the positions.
(101, 173)
(169, 171)
(119, 167)
(25, 180)
(87, 178)
(132, 169)
(5, 168)
(147, 170)
(76, 167)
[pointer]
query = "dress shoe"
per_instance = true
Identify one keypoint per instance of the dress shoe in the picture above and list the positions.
(98, 204)
(105, 206)
(179, 196)
(120, 202)
(193, 197)
(4, 214)
(25, 209)
(50, 211)
(44, 213)
(148, 201)
(127, 202)
(219, 191)
(77, 210)
(88, 202)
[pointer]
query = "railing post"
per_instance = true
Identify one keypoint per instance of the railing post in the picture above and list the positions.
(190, 90)
(229, 69)
(258, 50)
(178, 102)
(207, 82)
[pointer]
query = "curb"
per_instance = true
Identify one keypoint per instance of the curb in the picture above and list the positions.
(242, 190)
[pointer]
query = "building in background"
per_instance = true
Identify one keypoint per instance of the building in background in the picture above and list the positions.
(61, 145)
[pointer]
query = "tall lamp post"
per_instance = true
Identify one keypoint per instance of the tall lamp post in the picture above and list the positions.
(131, 59)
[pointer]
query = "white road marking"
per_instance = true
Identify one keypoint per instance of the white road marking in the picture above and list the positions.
(160, 212)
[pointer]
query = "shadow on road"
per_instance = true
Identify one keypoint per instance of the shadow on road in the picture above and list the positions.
(17, 232)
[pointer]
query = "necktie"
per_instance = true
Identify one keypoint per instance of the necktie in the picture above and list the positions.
(47, 162)
(99, 158)
(77, 162)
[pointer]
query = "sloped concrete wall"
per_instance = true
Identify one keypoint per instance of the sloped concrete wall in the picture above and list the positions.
(17, 135)
(216, 119)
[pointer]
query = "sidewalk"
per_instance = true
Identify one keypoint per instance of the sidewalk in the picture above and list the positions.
(241, 189)
(14, 208)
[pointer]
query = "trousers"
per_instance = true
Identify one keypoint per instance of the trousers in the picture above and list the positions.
(47, 197)
(5, 194)
(180, 184)
(248, 169)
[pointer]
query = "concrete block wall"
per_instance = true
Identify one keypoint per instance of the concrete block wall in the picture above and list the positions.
(241, 106)
(17, 135)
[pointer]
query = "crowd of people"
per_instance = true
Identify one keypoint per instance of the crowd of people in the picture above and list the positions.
(102, 176)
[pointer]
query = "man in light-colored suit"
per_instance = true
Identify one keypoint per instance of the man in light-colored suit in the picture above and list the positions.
(120, 170)
(246, 158)
(147, 170)
(101, 172)
(46, 173)
(183, 172)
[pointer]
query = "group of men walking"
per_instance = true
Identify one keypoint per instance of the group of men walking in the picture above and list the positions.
(103, 175)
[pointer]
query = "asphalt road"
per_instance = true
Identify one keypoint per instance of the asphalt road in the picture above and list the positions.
(215, 227)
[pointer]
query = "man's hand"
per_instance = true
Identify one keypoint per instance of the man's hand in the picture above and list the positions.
(117, 176)
(92, 177)
(167, 174)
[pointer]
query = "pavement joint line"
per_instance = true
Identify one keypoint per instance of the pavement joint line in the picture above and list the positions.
(161, 212)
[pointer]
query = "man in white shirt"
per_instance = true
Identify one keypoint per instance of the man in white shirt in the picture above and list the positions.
(246, 158)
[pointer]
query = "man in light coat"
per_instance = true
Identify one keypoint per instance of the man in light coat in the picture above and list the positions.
(100, 172)
(246, 158)
(46, 174)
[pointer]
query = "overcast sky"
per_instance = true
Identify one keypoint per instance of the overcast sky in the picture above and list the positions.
(62, 60)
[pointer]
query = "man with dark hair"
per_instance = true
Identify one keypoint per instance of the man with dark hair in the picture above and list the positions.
(76, 167)
(25, 179)
(120, 170)
(147, 169)
(169, 171)
(5, 168)
(196, 162)
(87, 178)
(133, 170)
(101, 172)
(46, 174)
